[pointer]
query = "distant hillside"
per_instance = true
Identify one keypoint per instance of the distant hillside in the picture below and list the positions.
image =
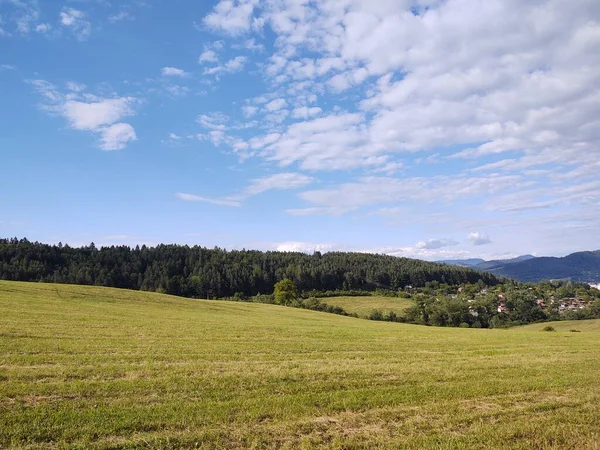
(481, 264)
(463, 262)
(216, 273)
(581, 266)
(487, 265)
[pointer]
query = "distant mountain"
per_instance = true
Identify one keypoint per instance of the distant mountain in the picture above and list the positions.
(463, 262)
(488, 265)
(581, 266)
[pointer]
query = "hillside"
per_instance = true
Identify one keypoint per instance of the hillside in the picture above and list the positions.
(481, 264)
(364, 305)
(582, 266)
(215, 273)
(100, 368)
(487, 265)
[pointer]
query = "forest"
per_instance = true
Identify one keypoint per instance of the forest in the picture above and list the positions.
(200, 272)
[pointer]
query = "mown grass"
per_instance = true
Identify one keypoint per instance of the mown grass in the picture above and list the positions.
(364, 305)
(565, 325)
(86, 367)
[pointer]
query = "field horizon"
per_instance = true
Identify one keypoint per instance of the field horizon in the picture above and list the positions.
(92, 367)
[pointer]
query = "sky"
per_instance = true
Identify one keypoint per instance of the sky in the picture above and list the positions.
(432, 129)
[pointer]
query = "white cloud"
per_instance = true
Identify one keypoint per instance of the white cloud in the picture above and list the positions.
(498, 96)
(434, 244)
(231, 16)
(305, 112)
(236, 64)
(76, 20)
(89, 112)
(276, 105)
(233, 65)
(374, 190)
(94, 115)
(173, 72)
(477, 238)
(75, 87)
(214, 121)
(196, 198)
(287, 180)
(280, 181)
(208, 56)
(120, 16)
(249, 111)
(43, 28)
(116, 136)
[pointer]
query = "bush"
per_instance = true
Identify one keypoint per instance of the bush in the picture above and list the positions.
(548, 328)
(463, 325)
(376, 315)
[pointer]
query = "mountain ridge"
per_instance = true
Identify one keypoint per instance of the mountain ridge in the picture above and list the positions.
(579, 266)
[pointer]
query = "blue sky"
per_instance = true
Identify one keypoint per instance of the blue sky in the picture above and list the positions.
(421, 128)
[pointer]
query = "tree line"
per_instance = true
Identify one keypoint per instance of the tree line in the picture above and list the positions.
(199, 272)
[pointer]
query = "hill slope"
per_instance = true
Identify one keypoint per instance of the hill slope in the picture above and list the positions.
(89, 367)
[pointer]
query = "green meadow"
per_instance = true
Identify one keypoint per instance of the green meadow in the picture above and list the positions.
(100, 368)
(364, 305)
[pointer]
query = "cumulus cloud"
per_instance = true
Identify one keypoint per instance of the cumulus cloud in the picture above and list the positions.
(500, 95)
(231, 16)
(88, 112)
(43, 28)
(116, 136)
(503, 93)
(477, 238)
(233, 65)
(92, 115)
(276, 105)
(173, 72)
(433, 244)
(208, 56)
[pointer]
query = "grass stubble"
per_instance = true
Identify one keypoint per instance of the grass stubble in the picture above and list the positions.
(100, 368)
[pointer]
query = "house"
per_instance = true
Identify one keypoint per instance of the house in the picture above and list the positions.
(541, 303)
(571, 304)
(501, 304)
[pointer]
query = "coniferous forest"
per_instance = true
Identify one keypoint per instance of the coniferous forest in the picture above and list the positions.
(215, 273)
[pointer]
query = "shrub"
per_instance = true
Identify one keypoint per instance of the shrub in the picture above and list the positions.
(376, 315)
(548, 328)
(463, 325)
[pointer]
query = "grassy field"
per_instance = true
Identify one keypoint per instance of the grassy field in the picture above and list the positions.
(363, 306)
(566, 325)
(85, 367)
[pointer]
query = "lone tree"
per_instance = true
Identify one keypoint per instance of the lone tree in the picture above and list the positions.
(286, 293)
